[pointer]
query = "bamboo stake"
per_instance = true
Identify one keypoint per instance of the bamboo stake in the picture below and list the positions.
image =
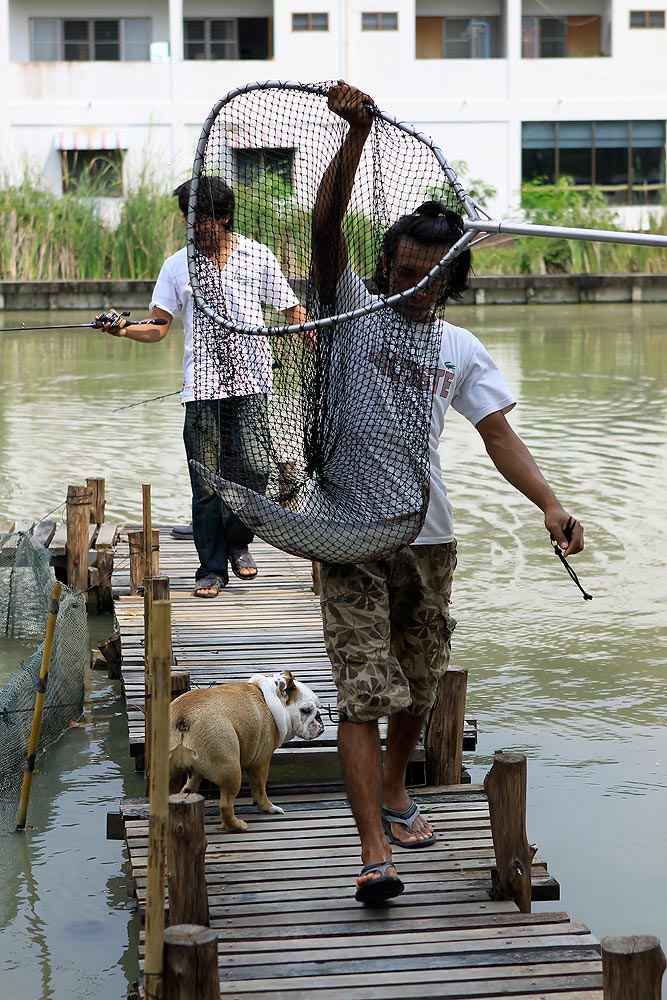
(158, 802)
(148, 606)
(39, 706)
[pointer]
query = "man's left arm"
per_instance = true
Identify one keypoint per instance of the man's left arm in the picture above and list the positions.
(515, 463)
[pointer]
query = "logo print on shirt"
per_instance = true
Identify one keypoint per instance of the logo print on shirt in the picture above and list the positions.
(400, 369)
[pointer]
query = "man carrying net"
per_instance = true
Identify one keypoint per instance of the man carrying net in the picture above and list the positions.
(248, 276)
(386, 622)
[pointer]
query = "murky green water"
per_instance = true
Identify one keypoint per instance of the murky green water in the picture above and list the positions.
(580, 687)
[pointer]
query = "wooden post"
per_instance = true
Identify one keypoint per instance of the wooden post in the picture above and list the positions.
(505, 786)
(98, 500)
(180, 682)
(632, 967)
(112, 652)
(155, 589)
(191, 963)
(188, 893)
(444, 729)
(78, 519)
(137, 555)
(317, 583)
(105, 570)
(158, 801)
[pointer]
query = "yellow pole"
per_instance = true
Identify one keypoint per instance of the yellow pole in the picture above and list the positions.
(39, 706)
(158, 807)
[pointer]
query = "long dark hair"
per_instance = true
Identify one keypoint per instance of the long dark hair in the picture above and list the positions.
(431, 224)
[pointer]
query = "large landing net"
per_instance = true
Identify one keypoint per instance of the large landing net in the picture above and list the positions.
(314, 432)
(26, 587)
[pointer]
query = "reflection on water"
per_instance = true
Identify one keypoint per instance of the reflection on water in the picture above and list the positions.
(578, 686)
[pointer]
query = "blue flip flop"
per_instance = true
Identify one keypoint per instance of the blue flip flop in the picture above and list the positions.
(405, 818)
(379, 890)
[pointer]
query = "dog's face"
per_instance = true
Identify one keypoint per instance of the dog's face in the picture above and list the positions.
(301, 705)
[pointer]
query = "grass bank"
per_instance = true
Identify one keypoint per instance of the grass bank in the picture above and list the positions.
(49, 238)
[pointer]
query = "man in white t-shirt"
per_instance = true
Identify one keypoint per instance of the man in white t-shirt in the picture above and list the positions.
(386, 623)
(248, 276)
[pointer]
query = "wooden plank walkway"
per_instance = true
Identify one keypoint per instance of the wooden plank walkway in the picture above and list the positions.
(281, 900)
(281, 895)
(271, 624)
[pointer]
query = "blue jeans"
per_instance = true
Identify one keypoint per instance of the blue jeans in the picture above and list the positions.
(216, 434)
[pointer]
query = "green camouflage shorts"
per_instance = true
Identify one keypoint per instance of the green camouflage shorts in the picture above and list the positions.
(387, 630)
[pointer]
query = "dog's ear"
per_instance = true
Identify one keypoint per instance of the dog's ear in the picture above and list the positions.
(289, 681)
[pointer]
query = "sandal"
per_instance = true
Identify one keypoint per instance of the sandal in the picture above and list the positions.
(241, 559)
(378, 890)
(213, 583)
(405, 818)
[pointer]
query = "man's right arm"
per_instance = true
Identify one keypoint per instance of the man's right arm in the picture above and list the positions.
(329, 247)
(145, 334)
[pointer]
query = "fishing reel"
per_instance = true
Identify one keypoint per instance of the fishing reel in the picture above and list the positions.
(112, 317)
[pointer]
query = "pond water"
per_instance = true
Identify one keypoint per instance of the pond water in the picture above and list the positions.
(579, 687)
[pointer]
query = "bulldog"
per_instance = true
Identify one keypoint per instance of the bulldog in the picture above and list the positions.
(216, 733)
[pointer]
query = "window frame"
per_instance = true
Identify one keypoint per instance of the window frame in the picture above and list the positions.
(72, 172)
(648, 14)
(379, 22)
(90, 41)
(310, 26)
(653, 192)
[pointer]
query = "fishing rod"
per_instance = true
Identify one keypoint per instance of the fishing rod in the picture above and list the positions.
(97, 324)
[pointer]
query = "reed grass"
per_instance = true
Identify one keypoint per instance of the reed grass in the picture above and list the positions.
(48, 238)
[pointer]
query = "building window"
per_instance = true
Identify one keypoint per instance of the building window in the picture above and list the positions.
(227, 38)
(97, 172)
(379, 22)
(561, 37)
(625, 160)
(310, 22)
(457, 37)
(252, 164)
(90, 40)
(647, 19)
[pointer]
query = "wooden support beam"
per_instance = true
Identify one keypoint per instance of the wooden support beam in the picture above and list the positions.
(155, 589)
(191, 963)
(505, 786)
(112, 653)
(105, 570)
(158, 801)
(78, 519)
(444, 729)
(98, 500)
(188, 892)
(137, 564)
(317, 583)
(180, 683)
(632, 967)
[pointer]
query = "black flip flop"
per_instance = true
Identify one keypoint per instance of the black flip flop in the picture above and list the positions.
(379, 890)
(241, 559)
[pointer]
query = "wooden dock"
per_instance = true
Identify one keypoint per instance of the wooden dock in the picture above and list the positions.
(281, 895)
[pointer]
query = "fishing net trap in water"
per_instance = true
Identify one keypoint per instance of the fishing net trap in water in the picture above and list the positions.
(314, 427)
(26, 587)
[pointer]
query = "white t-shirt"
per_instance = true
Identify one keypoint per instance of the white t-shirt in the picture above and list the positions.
(466, 378)
(251, 278)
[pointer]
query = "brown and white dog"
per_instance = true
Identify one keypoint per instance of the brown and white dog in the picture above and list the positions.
(216, 733)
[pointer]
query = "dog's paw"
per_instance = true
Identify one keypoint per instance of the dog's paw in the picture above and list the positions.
(271, 809)
(238, 826)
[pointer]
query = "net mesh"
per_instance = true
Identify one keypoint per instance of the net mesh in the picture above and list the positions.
(313, 427)
(26, 587)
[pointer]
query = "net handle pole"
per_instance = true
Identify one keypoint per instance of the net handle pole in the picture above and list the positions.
(493, 226)
(39, 706)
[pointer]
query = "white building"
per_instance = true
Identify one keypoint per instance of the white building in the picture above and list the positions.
(514, 88)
